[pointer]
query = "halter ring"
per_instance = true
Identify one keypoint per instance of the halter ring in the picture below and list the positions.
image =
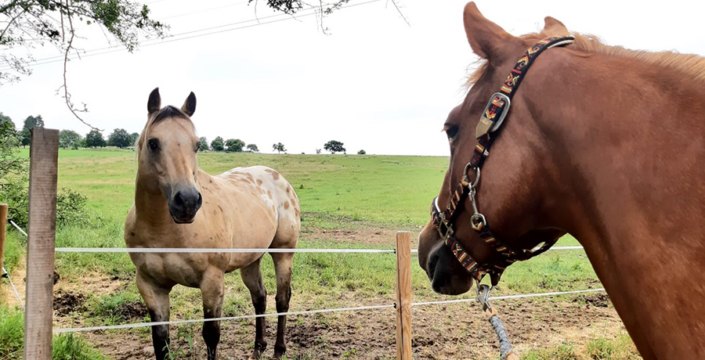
(466, 179)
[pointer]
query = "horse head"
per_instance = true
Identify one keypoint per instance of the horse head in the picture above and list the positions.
(167, 161)
(508, 194)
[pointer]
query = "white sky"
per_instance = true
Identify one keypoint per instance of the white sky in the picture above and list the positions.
(374, 83)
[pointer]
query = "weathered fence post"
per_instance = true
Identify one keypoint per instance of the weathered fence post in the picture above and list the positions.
(3, 234)
(43, 171)
(403, 301)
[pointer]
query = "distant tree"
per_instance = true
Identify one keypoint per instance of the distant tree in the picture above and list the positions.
(203, 144)
(252, 147)
(120, 138)
(361, 152)
(95, 139)
(133, 138)
(10, 161)
(4, 119)
(9, 130)
(217, 144)
(234, 145)
(334, 146)
(278, 147)
(318, 151)
(30, 123)
(82, 142)
(68, 139)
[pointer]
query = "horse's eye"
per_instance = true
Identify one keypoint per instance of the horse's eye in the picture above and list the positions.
(153, 144)
(197, 147)
(451, 131)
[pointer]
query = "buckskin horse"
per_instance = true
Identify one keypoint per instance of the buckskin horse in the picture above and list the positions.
(600, 142)
(178, 205)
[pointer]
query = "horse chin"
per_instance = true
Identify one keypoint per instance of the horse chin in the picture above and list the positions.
(182, 220)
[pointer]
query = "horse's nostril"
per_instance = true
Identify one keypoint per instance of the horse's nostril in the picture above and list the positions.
(200, 200)
(178, 199)
(432, 265)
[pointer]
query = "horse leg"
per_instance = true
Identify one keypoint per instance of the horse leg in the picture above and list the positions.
(212, 290)
(157, 300)
(282, 267)
(252, 277)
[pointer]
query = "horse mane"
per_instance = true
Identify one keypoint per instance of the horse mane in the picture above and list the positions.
(167, 112)
(689, 64)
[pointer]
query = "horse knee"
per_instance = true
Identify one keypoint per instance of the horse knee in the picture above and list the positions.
(283, 298)
(259, 300)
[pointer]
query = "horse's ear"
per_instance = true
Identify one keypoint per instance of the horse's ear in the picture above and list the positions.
(487, 39)
(154, 102)
(553, 27)
(189, 106)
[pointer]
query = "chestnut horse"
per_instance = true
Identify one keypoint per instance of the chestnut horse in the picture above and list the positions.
(602, 143)
(178, 205)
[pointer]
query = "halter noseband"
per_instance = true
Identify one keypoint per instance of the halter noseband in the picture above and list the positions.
(492, 118)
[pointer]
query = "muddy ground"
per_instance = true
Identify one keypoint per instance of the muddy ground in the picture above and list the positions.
(439, 332)
(458, 331)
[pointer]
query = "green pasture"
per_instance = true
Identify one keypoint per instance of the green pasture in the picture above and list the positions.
(336, 192)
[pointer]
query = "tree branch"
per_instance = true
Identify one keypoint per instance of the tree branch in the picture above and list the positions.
(67, 95)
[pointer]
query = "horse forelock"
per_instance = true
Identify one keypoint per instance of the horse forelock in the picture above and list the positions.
(166, 113)
(689, 64)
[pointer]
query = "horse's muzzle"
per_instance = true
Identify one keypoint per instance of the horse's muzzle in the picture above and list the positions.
(446, 274)
(184, 205)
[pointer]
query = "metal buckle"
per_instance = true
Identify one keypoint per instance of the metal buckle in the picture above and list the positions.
(505, 109)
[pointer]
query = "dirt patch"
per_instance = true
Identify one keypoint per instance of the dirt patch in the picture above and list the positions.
(130, 311)
(439, 332)
(67, 302)
(363, 235)
(599, 300)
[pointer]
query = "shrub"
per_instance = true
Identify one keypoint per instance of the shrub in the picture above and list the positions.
(70, 205)
(64, 347)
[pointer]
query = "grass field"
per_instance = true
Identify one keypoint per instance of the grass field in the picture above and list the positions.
(347, 201)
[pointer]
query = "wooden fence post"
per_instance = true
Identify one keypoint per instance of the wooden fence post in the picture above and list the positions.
(403, 301)
(43, 172)
(3, 234)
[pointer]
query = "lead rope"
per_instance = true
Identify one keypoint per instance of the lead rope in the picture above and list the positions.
(505, 346)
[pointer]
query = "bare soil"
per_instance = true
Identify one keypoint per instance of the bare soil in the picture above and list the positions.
(439, 332)
(458, 331)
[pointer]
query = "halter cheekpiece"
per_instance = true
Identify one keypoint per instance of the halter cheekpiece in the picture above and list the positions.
(490, 122)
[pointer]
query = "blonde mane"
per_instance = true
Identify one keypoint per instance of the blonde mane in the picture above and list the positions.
(689, 64)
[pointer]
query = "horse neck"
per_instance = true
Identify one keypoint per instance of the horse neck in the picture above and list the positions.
(630, 168)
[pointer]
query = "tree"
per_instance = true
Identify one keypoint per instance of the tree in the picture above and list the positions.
(203, 144)
(30, 123)
(119, 138)
(318, 151)
(252, 147)
(361, 152)
(278, 147)
(334, 146)
(68, 139)
(95, 139)
(234, 145)
(10, 161)
(217, 144)
(31, 24)
(133, 138)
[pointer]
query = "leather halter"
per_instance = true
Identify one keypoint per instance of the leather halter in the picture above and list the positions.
(491, 121)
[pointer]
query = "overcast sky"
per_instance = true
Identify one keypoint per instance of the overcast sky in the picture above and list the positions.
(374, 82)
